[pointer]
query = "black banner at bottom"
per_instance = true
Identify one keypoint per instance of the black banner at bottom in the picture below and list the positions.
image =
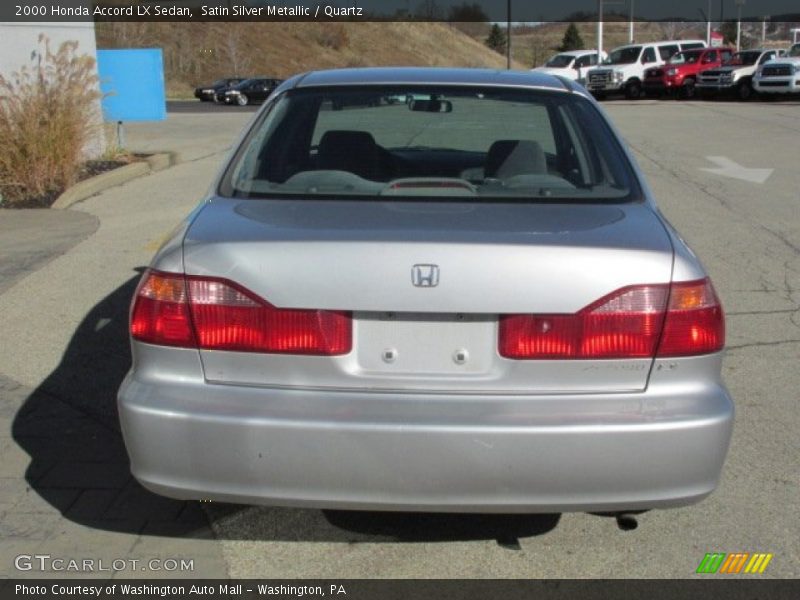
(728, 588)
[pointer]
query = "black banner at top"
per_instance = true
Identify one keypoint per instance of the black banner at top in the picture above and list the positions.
(519, 11)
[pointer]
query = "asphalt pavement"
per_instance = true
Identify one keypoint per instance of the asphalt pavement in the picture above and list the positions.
(65, 486)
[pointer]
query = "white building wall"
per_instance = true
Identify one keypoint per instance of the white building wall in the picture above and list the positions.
(20, 43)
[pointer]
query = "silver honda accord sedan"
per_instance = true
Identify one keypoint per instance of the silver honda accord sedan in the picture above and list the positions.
(465, 301)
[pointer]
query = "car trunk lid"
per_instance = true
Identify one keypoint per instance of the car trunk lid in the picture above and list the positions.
(376, 260)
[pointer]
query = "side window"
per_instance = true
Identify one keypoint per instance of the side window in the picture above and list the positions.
(584, 61)
(667, 52)
(710, 56)
(593, 59)
(726, 55)
(649, 55)
(767, 56)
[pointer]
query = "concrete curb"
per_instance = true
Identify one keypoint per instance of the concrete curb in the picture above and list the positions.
(99, 183)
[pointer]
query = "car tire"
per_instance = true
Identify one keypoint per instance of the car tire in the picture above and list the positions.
(687, 90)
(745, 91)
(242, 100)
(633, 90)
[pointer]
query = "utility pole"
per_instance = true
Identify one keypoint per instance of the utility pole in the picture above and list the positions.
(599, 31)
(630, 32)
(508, 35)
(739, 4)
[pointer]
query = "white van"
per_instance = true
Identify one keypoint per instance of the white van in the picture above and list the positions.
(572, 65)
(623, 70)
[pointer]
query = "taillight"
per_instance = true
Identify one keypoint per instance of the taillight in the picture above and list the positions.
(624, 324)
(628, 323)
(160, 312)
(221, 315)
(695, 321)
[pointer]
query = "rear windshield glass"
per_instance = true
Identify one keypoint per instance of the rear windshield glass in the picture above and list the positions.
(438, 142)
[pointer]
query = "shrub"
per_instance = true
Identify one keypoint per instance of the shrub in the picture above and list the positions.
(496, 39)
(332, 35)
(48, 114)
(572, 39)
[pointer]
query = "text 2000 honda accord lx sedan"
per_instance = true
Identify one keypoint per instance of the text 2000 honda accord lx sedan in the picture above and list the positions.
(463, 302)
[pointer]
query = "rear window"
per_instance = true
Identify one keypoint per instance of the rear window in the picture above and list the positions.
(414, 142)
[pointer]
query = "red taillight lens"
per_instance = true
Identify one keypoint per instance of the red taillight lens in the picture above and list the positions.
(624, 324)
(695, 321)
(160, 313)
(627, 323)
(224, 316)
(228, 317)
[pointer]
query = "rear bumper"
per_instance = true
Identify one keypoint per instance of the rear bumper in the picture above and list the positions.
(390, 451)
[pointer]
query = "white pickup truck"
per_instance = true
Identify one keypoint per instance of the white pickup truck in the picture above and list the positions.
(623, 71)
(572, 64)
(735, 76)
(780, 75)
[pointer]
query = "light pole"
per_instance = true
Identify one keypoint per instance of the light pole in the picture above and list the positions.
(599, 31)
(739, 4)
(708, 25)
(508, 35)
(630, 32)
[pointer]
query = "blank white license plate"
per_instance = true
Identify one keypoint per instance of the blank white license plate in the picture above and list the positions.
(410, 343)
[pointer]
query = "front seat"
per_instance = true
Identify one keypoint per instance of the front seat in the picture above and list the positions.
(507, 158)
(352, 151)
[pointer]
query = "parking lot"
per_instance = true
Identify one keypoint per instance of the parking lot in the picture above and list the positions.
(725, 174)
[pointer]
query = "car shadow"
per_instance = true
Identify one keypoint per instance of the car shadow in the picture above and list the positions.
(78, 464)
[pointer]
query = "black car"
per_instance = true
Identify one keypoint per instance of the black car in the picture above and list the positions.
(250, 91)
(207, 93)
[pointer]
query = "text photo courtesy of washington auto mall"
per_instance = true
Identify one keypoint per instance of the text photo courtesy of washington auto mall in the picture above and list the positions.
(399, 299)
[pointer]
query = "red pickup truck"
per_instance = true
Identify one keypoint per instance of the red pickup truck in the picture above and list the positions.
(679, 75)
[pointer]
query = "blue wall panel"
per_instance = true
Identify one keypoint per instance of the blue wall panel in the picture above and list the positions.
(132, 82)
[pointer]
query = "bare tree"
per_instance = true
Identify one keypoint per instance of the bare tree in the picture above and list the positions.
(428, 10)
(124, 34)
(540, 50)
(233, 53)
(673, 29)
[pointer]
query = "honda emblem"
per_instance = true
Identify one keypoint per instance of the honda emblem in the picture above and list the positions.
(425, 275)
